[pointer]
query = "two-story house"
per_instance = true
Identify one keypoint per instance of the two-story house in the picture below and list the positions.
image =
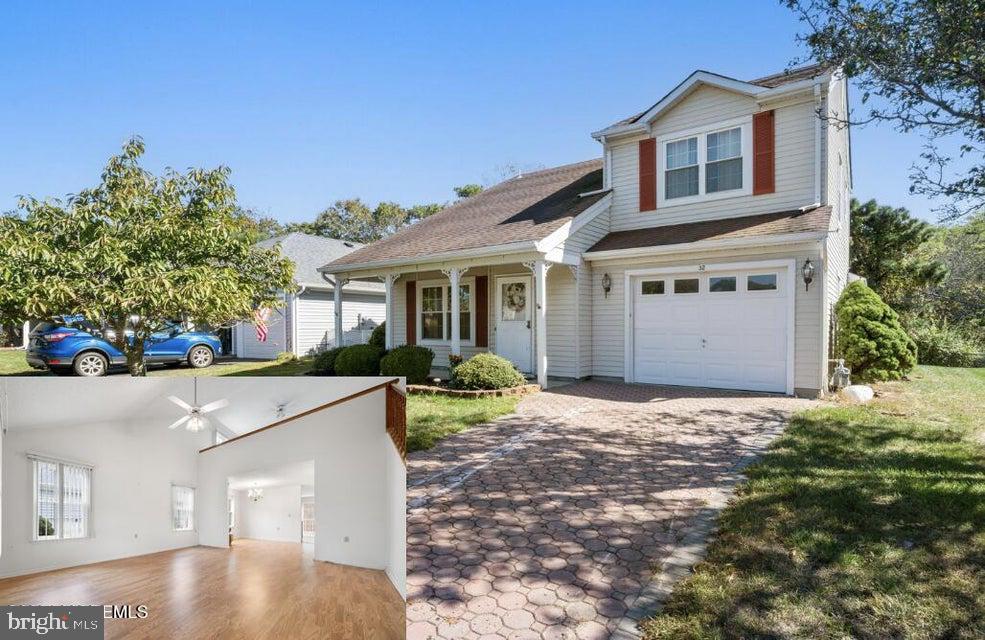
(705, 247)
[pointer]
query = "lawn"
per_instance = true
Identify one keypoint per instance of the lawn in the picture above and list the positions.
(861, 522)
(431, 418)
(12, 363)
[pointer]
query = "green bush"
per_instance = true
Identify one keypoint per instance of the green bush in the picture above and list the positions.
(358, 360)
(409, 360)
(324, 364)
(486, 371)
(942, 344)
(287, 356)
(378, 337)
(870, 337)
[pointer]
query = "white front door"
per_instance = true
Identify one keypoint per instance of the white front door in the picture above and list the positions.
(513, 316)
(726, 330)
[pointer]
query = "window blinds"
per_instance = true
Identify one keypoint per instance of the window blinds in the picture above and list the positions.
(62, 499)
(182, 508)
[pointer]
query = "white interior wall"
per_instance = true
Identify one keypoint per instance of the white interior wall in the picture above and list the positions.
(134, 466)
(353, 488)
(276, 517)
(396, 546)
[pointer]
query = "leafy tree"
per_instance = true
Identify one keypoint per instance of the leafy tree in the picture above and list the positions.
(926, 61)
(468, 190)
(959, 299)
(264, 227)
(886, 243)
(870, 337)
(137, 250)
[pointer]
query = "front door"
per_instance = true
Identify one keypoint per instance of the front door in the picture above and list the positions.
(513, 316)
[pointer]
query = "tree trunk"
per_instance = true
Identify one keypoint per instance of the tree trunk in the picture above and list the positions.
(135, 357)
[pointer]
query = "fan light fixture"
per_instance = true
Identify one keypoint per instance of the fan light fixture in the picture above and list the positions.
(195, 421)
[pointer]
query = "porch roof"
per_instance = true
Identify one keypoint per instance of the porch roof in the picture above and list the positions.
(524, 209)
(795, 221)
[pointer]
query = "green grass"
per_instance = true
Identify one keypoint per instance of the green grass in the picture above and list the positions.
(861, 522)
(12, 363)
(431, 418)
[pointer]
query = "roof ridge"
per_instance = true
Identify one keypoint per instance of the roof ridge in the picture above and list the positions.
(786, 72)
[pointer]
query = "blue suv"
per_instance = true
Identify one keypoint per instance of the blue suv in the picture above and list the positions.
(71, 344)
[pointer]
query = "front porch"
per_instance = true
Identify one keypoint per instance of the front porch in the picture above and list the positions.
(504, 306)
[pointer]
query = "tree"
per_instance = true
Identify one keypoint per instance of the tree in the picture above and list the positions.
(959, 299)
(468, 190)
(136, 251)
(886, 251)
(926, 61)
(263, 226)
(353, 220)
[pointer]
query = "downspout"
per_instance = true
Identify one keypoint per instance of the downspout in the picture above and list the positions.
(817, 142)
(825, 313)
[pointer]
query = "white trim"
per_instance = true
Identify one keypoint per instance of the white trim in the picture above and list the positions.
(445, 284)
(478, 252)
(57, 460)
(702, 245)
(817, 143)
(569, 228)
(629, 297)
(744, 124)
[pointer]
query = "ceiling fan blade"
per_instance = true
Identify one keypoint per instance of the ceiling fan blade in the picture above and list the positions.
(177, 423)
(181, 403)
(212, 406)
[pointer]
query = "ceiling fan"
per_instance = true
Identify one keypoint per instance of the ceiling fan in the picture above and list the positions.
(196, 419)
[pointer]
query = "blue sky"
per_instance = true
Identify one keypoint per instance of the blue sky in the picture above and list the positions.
(309, 102)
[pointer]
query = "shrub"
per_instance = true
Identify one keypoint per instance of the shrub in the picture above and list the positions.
(870, 337)
(409, 360)
(287, 356)
(486, 371)
(358, 360)
(324, 364)
(378, 337)
(942, 344)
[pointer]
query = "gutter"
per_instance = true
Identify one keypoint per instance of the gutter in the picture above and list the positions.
(701, 245)
(500, 249)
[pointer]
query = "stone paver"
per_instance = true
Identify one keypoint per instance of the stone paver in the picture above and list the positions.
(570, 518)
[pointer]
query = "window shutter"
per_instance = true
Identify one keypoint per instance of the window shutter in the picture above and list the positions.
(482, 311)
(763, 153)
(411, 337)
(648, 174)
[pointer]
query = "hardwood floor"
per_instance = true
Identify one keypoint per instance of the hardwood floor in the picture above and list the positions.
(255, 590)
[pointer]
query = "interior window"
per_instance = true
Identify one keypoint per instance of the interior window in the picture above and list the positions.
(686, 285)
(61, 500)
(723, 169)
(652, 287)
(182, 508)
(681, 175)
(764, 282)
(719, 284)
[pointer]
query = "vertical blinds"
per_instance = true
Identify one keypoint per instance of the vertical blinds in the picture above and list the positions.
(182, 508)
(62, 499)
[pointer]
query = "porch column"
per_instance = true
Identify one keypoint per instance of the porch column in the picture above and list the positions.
(540, 320)
(337, 290)
(388, 281)
(454, 275)
(25, 337)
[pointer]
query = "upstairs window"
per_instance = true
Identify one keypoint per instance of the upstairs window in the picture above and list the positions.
(705, 165)
(681, 176)
(724, 169)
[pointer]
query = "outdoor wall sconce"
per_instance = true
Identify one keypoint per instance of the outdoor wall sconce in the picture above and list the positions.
(606, 284)
(808, 272)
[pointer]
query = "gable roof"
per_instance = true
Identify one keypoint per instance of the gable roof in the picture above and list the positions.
(526, 208)
(796, 221)
(757, 87)
(309, 252)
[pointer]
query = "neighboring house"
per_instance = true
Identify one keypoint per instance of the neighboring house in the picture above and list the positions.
(305, 324)
(678, 257)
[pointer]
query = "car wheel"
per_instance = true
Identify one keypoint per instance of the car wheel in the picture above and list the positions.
(90, 365)
(200, 357)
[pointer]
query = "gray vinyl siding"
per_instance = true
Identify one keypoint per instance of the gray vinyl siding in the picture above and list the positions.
(706, 106)
(562, 319)
(277, 336)
(608, 313)
(316, 319)
(838, 193)
(583, 239)
(585, 316)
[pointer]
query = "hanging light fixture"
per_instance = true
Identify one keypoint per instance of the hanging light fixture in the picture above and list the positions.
(807, 271)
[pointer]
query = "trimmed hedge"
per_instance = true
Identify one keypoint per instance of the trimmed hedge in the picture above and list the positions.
(358, 360)
(324, 364)
(870, 337)
(486, 371)
(378, 337)
(411, 361)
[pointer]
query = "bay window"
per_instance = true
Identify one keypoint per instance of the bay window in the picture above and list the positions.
(62, 499)
(706, 165)
(435, 313)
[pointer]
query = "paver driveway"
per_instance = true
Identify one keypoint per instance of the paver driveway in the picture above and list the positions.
(552, 522)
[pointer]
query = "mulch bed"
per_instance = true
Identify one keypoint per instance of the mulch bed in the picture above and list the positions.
(425, 389)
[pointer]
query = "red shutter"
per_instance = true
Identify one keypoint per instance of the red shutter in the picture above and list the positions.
(411, 312)
(763, 153)
(648, 174)
(482, 311)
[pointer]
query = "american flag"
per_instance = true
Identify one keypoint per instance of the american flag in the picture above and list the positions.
(260, 322)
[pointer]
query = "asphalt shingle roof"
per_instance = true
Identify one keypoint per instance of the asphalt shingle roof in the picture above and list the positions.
(309, 252)
(525, 208)
(767, 224)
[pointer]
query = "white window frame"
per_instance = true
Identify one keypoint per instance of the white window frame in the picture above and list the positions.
(59, 525)
(744, 124)
(173, 511)
(446, 309)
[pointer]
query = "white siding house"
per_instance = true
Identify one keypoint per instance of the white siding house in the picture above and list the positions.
(305, 323)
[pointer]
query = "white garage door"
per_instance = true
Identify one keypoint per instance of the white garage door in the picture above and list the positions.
(725, 330)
